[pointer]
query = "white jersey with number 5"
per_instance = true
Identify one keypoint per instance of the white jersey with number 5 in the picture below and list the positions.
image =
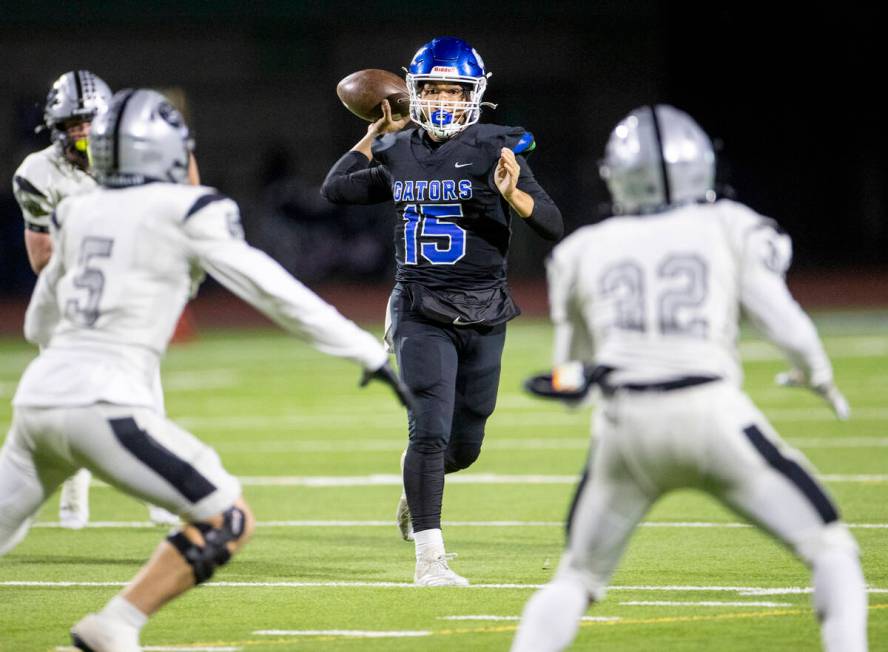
(659, 296)
(124, 265)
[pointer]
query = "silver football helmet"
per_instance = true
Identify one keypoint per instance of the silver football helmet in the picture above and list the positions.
(140, 138)
(658, 157)
(76, 96)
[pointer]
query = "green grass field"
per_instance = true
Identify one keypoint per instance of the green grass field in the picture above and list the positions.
(319, 462)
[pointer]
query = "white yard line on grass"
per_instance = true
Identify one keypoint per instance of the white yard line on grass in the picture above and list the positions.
(190, 381)
(391, 479)
(359, 523)
(393, 422)
(590, 619)
(495, 444)
(351, 633)
(740, 590)
(169, 648)
(705, 603)
(837, 346)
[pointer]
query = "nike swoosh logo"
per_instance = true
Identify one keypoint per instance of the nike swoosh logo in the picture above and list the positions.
(457, 321)
(461, 165)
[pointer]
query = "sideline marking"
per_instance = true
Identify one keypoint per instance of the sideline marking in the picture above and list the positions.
(350, 633)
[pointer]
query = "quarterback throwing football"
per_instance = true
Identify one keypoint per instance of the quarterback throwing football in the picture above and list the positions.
(457, 187)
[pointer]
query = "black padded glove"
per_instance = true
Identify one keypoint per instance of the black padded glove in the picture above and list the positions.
(386, 374)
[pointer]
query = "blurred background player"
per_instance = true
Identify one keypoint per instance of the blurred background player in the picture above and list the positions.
(457, 185)
(42, 180)
(646, 305)
(129, 256)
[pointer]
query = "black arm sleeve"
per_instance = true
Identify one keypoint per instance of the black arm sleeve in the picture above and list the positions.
(546, 218)
(352, 180)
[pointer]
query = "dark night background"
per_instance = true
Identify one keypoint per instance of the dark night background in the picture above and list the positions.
(794, 102)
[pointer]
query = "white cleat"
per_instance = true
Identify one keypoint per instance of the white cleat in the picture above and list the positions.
(160, 516)
(74, 501)
(405, 524)
(96, 633)
(434, 571)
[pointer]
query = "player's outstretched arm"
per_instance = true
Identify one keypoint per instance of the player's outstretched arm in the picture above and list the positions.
(260, 281)
(769, 304)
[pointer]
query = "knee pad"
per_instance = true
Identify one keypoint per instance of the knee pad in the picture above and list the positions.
(214, 552)
(833, 537)
(461, 457)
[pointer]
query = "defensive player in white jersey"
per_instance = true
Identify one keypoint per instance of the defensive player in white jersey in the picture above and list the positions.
(646, 305)
(42, 180)
(126, 259)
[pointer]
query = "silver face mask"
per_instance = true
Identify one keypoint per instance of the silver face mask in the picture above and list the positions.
(656, 161)
(76, 96)
(140, 138)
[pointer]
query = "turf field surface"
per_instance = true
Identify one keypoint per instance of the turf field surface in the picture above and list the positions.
(327, 571)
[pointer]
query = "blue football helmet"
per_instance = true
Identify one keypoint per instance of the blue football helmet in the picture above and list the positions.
(449, 60)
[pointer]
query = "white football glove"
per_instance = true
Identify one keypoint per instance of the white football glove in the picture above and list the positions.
(827, 391)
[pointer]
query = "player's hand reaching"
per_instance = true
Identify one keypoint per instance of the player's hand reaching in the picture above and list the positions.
(387, 123)
(827, 391)
(387, 375)
(507, 172)
(570, 382)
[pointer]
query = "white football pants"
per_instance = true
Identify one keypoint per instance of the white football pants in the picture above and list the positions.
(133, 449)
(713, 438)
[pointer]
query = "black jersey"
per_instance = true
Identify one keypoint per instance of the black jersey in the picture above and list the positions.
(452, 235)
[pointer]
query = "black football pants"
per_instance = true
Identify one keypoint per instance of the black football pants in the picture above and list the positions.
(454, 374)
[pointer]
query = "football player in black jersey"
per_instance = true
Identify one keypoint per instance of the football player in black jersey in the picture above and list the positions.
(457, 187)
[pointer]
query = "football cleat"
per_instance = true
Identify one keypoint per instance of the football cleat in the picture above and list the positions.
(97, 633)
(160, 516)
(74, 501)
(434, 571)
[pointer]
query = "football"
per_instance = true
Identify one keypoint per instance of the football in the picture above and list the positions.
(362, 93)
